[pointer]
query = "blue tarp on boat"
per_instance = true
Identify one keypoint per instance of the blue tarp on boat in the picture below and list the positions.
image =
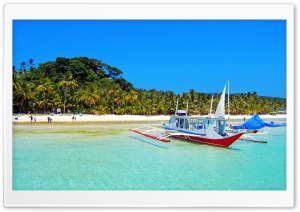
(256, 123)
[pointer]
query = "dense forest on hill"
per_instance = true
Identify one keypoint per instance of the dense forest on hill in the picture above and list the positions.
(89, 86)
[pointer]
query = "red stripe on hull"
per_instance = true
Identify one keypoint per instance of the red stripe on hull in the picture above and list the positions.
(223, 142)
(150, 136)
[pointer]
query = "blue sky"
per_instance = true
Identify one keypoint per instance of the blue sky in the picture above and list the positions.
(168, 55)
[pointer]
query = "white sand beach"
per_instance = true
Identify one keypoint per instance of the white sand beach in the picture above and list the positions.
(57, 118)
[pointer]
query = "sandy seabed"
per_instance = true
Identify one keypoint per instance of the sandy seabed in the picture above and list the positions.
(117, 118)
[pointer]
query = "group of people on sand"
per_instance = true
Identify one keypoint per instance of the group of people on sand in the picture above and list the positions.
(32, 118)
(49, 119)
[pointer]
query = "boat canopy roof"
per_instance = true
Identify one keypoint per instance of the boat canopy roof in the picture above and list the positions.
(181, 112)
(256, 123)
(196, 117)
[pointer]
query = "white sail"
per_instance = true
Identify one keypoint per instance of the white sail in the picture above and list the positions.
(220, 112)
(228, 102)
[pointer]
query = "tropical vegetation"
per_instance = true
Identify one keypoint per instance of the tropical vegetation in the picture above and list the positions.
(83, 85)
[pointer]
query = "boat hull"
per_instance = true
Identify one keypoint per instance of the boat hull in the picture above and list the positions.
(223, 142)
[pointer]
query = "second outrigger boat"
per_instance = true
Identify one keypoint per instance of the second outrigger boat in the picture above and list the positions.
(201, 129)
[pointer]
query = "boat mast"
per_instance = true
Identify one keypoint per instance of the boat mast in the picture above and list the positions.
(176, 106)
(187, 108)
(212, 99)
(228, 102)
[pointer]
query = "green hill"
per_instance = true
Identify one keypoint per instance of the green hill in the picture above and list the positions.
(86, 85)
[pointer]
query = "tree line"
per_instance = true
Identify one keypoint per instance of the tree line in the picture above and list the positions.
(89, 86)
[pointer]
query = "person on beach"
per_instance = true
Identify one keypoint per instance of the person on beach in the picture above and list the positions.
(31, 118)
(35, 118)
(244, 119)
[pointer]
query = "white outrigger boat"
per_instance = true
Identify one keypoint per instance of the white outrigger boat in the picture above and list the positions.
(200, 129)
(206, 130)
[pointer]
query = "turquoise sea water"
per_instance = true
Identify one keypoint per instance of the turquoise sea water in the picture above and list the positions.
(107, 156)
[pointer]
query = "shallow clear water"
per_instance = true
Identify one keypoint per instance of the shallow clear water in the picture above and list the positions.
(106, 156)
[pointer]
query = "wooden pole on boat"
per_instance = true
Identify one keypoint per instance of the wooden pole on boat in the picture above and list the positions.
(228, 102)
(212, 99)
(187, 108)
(176, 107)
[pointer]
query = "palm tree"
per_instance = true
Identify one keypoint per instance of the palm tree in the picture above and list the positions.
(56, 99)
(131, 97)
(38, 105)
(191, 95)
(65, 84)
(120, 97)
(89, 95)
(102, 110)
(23, 67)
(31, 64)
(112, 91)
(23, 90)
(16, 84)
(45, 87)
(120, 111)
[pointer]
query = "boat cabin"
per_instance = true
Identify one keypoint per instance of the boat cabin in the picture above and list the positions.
(197, 124)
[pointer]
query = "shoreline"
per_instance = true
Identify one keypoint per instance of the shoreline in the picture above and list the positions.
(118, 118)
